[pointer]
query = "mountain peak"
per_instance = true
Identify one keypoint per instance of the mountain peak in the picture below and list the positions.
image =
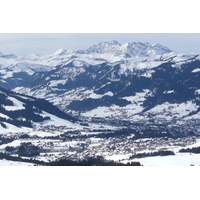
(62, 52)
(130, 48)
(160, 49)
(31, 56)
(59, 52)
(104, 47)
(112, 42)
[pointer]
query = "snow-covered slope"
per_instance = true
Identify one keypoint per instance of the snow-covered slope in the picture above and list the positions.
(19, 113)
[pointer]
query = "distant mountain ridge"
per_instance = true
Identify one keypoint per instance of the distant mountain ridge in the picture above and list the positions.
(16, 71)
(128, 50)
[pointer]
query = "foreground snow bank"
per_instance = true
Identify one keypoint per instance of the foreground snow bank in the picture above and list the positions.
(14, 163)
(180, 159)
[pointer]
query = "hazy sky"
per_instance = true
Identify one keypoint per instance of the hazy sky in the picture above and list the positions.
(47, 43)
(42, 27)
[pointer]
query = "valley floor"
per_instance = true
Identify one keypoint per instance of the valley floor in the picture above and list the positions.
(51, 143)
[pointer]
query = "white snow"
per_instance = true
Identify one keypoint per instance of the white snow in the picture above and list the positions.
(18, 105)
(139, 64)
(178, 110)
(78, 63)
(12, 129)
(4, 116)
(180, 159)
(195, 116)
(58, 121)
(62, 52)
(197, 91)
(99, 112)
(143, 55)
(130, 110)
(148, 73)
(5, 162)
(55, 83)
(109, 94)
(196, 70)
(168, 91)
(7, 74)
(15, 143)
(117, 157)
(105, 51)
(98, 96)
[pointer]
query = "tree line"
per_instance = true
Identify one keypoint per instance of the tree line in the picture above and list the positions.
(156, 153)
(190, 150)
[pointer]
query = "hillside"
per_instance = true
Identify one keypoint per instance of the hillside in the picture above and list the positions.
(18, 111)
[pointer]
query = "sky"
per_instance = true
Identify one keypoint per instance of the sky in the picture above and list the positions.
(43, 27)
(47, 43)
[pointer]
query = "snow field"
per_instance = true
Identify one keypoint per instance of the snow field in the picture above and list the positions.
(4, 116)
(196, 70)
(14, 163)
(18, 105)
(13, 129)
(179, 110)
(180, 159)
(114, 110)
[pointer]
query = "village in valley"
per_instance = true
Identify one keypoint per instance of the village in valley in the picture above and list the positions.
(49, 143)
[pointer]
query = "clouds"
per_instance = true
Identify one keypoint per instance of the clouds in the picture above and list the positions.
(47, 43)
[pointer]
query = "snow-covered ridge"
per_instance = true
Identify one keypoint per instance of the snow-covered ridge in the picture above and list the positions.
(131, 55)
(111, 51)
(130, 49)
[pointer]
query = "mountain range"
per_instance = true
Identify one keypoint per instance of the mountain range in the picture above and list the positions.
(134, 82)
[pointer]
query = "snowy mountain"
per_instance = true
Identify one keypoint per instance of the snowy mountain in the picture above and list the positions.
(130, 49)
(134, 82)
(16, 71)
(135, 101)
(107, 51)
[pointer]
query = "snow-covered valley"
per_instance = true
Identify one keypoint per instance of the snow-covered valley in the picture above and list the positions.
(56, 143)
(111, 100)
